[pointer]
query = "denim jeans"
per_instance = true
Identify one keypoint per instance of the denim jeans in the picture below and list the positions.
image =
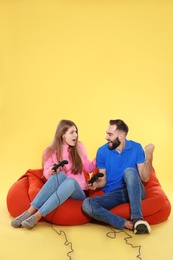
(131, 191)
(55, 191)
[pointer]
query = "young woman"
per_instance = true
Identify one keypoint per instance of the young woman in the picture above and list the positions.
(67, 182)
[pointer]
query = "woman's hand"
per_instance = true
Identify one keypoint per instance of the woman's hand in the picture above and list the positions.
(54, 171)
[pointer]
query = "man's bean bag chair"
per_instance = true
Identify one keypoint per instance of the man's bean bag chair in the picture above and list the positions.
(156, 207)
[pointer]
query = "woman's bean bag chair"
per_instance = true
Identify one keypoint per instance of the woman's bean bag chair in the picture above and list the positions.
(156, 207)
(23, 191)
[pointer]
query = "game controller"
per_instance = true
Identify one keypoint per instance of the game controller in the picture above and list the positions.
(95, 177)
(56, 166)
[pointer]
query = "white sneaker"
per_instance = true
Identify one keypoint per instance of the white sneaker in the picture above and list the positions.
(142, 227)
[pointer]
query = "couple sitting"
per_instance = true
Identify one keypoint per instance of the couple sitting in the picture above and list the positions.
(123, 164)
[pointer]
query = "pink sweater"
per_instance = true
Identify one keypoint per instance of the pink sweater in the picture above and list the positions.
(88, 166)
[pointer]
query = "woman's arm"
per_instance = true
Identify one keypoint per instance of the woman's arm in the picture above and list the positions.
(48, 166)
(89, 166)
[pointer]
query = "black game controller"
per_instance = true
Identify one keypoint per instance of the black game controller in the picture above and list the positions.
(56, 166)
(95, 177)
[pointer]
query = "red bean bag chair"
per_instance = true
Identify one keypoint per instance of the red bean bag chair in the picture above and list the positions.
(23, 191)
(156, 207)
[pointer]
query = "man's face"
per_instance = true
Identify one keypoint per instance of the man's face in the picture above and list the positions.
(112, 136)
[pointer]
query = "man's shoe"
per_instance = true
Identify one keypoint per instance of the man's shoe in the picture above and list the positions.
(30, 222)
(16, 222)
(142, 227)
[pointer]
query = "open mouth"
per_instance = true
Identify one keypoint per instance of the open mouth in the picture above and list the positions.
(110, 144)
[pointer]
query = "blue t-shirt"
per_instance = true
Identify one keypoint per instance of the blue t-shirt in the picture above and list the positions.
(115, 163)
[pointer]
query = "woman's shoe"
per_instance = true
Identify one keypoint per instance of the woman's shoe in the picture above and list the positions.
(16, 222)
(30, 222)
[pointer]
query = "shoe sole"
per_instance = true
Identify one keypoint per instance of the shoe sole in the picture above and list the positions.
(142, 227)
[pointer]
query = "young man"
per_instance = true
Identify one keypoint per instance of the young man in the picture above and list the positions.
(124, 164)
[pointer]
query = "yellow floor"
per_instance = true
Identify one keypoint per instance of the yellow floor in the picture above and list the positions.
(89, 241)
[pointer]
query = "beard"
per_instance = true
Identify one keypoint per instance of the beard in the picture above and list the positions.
(114, 144)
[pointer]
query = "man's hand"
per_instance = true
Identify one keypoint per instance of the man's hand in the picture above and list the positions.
(92, 186)
(149, 149)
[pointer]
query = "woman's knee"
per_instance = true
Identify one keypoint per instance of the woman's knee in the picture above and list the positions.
(55, 180)
(60, 176)
(71, 184)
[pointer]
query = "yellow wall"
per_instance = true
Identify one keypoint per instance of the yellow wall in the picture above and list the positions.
(88, 61)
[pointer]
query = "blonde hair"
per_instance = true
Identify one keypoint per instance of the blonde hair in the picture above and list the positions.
(57, 144)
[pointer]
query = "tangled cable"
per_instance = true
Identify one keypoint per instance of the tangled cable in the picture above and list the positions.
(61, 232)
(115, 232)
(66, 243)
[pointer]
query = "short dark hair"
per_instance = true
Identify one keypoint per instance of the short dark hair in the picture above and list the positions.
(120, 125)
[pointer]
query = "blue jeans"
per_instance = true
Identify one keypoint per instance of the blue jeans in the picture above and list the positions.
(131, 191)
(55, 191)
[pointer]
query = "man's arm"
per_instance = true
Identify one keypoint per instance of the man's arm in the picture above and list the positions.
(145, 169)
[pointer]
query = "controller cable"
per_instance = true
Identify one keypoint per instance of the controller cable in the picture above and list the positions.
(115, 232)
(61, 232)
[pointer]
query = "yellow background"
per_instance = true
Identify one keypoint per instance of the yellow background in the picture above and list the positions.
(88, 61)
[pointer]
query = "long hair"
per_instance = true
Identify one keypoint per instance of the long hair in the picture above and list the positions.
(57, 145)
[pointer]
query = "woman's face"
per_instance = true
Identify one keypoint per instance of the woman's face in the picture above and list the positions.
(70, 137)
